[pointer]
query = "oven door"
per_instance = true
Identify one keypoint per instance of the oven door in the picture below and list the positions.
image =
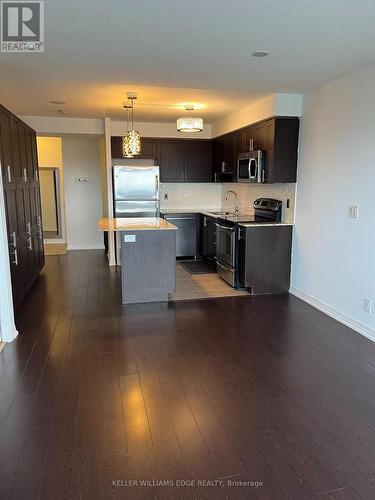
(226, 244)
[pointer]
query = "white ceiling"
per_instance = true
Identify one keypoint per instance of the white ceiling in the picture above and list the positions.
(178, 51)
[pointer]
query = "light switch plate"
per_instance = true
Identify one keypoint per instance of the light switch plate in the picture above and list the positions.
(129, 238)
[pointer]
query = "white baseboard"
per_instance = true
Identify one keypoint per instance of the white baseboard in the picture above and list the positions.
(347, 320)
(85, 247)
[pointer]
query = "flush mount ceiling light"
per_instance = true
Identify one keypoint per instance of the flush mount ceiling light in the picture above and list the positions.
(260, 53)
(131, 141)
(190, 123)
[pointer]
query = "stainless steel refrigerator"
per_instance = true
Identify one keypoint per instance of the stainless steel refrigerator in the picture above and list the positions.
(136, 191)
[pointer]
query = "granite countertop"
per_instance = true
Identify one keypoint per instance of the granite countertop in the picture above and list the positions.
(189, 210)
(135, 224)
(260, 224)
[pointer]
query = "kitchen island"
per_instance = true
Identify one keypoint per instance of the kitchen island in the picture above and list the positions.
(148, 257)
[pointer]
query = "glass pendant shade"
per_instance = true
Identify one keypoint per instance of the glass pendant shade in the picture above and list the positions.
(190, 124)
(126, 153)
(133, 140)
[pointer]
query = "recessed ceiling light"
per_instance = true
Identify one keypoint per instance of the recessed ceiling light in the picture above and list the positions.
(57, 102)
(260, 53)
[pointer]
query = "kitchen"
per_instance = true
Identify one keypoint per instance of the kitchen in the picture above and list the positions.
(264, 153)
(187, 250)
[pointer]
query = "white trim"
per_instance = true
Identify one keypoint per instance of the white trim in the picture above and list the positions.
(347, 320)
(8, 331)
(85, 247)
(108, 158)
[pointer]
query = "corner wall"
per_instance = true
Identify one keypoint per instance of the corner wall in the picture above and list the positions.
(83, 200)
(333, 256)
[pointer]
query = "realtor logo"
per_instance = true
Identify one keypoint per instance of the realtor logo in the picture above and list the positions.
(22, 26)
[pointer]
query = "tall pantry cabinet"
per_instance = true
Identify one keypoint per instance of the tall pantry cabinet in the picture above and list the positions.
(20, 173)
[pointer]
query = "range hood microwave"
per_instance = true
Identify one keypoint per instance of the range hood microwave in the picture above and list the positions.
(250, 167)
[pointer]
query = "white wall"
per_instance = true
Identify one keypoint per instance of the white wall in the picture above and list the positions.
(334, 257)
(150, 129)
(83, 200)
(272, 105)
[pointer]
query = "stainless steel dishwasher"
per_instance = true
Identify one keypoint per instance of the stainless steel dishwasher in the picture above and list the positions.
(186, 238)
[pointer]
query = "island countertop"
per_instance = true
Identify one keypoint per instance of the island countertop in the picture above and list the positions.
(135, 224)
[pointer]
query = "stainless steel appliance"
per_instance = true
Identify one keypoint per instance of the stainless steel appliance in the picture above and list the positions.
(250, 166)
(136, 191)
(266, 210)
(226, 252)
(186, 237)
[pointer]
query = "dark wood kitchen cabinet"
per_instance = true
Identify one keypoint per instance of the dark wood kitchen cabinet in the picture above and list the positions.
(225, 154)
(265, 258)
(208, 238)
(171, 160)
(198, 160)
(281, 149)
(148, 148)
(180, 160)
(277, 137)
(18, 155)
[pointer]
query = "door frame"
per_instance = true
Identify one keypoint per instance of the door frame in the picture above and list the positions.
(8, 330)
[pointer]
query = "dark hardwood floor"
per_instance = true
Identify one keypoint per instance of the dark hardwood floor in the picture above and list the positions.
(267, 390)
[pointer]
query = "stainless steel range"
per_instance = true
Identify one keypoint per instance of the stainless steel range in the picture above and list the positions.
(266, 210)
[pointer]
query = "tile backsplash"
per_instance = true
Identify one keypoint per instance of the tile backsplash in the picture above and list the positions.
(247, 193)
(210, 195)
(190, 195)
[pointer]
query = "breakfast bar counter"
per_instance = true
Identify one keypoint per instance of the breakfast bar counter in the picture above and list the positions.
(148, 257)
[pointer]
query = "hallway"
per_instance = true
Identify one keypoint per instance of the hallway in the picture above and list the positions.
(265, 392)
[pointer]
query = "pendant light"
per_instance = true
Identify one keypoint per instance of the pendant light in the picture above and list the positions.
(126, 152)
(190, 123)
(133, 138)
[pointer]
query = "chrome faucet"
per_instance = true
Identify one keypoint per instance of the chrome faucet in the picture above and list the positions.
(236, 199)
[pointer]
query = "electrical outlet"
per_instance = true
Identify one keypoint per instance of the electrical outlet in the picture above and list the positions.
(353, 211)
(367, 305)
(166, 196)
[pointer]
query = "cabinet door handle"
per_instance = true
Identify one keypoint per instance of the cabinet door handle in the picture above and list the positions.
(36, 175)
(13, 239)
(25, 174)
(9, 170)
(15, 257)
(29, 243)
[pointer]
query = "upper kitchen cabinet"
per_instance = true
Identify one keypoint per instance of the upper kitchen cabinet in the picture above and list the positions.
(148, 147)
(171, 160)
(180, 160)
(225, 154)
(185, 160)
(281, 149)
(198, 161)
(277, 137)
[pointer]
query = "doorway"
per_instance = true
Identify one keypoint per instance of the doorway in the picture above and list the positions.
(50, 199)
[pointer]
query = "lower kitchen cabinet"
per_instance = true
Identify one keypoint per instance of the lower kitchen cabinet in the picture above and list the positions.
(208, 238)
(187, 233)
(265, 258)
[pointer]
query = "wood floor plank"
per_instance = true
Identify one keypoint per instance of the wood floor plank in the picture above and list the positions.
(266, 396)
